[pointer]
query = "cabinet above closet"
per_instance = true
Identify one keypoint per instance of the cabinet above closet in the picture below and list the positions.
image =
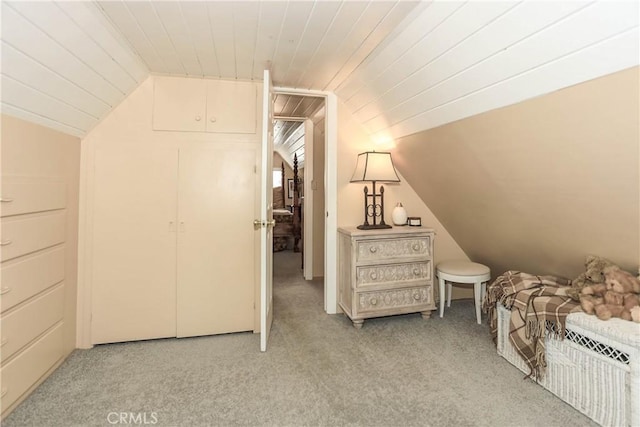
(202, 105)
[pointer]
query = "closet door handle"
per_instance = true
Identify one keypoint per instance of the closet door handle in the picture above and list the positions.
(5, 200)
(4, 392)
(4, 342)
(5, 290)
(5, 242)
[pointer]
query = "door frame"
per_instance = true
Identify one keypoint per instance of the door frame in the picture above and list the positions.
(331, 192)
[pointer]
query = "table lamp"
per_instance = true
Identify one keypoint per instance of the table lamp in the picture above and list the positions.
(375, 167)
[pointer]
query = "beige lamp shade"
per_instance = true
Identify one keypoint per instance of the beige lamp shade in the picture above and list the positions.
(375, 166)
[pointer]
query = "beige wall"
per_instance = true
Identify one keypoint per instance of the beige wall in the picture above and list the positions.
(352, 140)
(537, 185)
(31, 150)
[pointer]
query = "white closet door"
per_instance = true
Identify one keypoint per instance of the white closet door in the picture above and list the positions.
(216, 252)
(134, 244)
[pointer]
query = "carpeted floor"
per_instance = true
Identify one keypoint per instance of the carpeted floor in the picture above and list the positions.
(319, 370)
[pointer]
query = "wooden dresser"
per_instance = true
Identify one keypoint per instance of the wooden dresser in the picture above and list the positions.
(385, 272)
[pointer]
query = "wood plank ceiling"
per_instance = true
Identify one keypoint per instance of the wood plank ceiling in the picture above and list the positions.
(400, 66)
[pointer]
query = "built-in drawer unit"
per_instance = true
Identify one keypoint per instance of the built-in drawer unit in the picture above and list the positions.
(23, 324)
(27, 195)
(25, 277)
(385, 272)
(28, 233)
(24, 370)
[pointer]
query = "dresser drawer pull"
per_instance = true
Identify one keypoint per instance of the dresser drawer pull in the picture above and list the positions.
(416, 297)
(5, 242)
(416, 271)
(5, 290)
(373, 249)
(4, 342)
(5, 200)
(373, 301)
(373, 275)
(416, 247)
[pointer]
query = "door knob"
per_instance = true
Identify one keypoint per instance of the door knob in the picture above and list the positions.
(271, 223)
(257, 224)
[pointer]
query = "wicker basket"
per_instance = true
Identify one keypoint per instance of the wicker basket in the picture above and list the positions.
(595, 369)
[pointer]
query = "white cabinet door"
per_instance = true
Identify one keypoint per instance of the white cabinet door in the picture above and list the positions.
(179, 104)
(134, 244)
(231, 106)
(216, 209)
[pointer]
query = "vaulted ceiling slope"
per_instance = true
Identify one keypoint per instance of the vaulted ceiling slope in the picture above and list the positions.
(400, 66)
(538, 185)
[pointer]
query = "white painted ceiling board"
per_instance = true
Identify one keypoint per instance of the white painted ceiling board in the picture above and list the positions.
(33, 42)
(245, 21)
(589, 25)
(179, 32)
(315, 30)
(29, 72)
(32, 117)
(510, 28)
(270, 20)
(95, 26)
(295, 22)
(614, 54)
(148, 19)
(18, 94)
(128, 26)
(221, 19)
(59, 27)
(197, 15)
(401, 45)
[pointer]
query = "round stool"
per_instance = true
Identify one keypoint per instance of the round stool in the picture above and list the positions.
(463, 272)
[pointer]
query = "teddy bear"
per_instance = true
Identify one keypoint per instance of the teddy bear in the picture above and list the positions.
(616, 297)
(594, 274)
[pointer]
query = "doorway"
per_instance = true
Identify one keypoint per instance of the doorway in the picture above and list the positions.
(298, 170)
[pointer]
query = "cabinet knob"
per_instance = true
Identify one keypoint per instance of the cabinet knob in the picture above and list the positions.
(416, 247)
(212, 119)
(416, 271)
(373, 249)
(198, 118)
(373, 301)
(416, 296)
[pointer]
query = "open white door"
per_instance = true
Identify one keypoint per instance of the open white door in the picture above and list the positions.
(266, 215)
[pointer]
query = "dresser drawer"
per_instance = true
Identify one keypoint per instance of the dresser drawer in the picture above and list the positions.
(24, 195)
(27, 322)
(23, 235)
(393, 249)
(30, 276)
(394, 300)
(371, 275)
(28, 367)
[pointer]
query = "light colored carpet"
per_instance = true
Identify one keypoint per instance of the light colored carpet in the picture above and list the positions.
(319, 370)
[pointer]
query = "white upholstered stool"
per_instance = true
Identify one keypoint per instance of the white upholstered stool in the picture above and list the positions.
(464, 272)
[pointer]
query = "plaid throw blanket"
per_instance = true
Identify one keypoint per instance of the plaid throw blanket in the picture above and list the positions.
(539, 305)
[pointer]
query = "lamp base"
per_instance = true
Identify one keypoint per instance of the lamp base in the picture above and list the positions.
(372, 227)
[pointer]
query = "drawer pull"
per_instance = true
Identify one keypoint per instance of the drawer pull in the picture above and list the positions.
(4, 341)
(5, 290)
(5, 200)
(373, 249)
(5, 242)
(416, 297)
(416, 271)
(416, 247)
(373, 301)
(373, 275)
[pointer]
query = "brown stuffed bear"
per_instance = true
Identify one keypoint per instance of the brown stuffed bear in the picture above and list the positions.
(615, 298)
(594, 274)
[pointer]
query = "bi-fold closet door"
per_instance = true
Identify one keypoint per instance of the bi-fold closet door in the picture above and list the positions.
(172, 242)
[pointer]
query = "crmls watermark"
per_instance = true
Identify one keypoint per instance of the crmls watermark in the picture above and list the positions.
(137, 418)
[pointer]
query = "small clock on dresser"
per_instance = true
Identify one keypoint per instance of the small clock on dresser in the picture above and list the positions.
(385, 272)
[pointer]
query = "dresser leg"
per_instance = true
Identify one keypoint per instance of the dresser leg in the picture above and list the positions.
(358, 323)
(426, 314)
